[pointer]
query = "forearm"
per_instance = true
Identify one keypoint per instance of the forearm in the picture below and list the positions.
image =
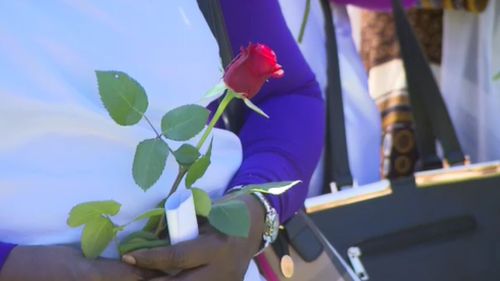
(285, 147)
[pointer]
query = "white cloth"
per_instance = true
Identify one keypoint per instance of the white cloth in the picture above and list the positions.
(362, 118)
(59, 147)
(471, 57)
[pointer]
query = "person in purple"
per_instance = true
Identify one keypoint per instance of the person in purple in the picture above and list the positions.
(60, 148)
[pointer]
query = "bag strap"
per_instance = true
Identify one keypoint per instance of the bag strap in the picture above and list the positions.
(429, 110)
(212, 11)
(337, 167)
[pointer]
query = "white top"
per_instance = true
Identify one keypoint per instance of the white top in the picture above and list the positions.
(59, 147)
(471, 57)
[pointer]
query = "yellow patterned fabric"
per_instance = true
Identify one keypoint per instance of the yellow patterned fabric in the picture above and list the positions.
(475, 6)
(387, 82)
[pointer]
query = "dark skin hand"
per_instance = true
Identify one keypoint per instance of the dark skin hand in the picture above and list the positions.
(212, 256)
(50, 263)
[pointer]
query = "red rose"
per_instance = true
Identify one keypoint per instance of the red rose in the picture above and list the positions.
(251, 68)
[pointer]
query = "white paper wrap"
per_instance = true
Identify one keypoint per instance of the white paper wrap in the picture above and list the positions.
(181, 216)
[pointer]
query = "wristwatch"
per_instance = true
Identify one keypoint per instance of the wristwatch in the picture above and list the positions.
(271, 223)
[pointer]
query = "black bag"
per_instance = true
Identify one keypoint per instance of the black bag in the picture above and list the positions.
(437, 225)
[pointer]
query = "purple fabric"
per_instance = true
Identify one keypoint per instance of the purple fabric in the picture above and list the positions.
(374, 4)
(5, 249)
(288, 145)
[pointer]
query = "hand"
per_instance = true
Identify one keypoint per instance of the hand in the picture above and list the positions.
(212, 256)
(49, 263)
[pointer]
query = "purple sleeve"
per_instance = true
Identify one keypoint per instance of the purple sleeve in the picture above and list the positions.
(288, 145)
(374, 4)
(5, 249)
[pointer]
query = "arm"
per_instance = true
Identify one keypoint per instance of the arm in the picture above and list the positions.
(288, 145)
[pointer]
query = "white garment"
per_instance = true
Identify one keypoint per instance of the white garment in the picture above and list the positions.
(59, 147)
(362, 118)
(471, 57)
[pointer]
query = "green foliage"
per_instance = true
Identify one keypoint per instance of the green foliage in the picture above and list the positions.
(497, 76)
(149, 162)
(198, 169)
(186, 154)
(151, 213)
(96, 236)
(140, 240)
(184, 122)
(123, 97)
(255, 108)
(231, 218)
(86, 212)
(202, 202)
(152, 223)
(275, 188)
(126, 102)
(216, 92)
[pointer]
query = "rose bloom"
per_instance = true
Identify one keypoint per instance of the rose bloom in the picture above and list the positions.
(253, 66)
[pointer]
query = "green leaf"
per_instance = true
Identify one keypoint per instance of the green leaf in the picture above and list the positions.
(275, 188)
(216, 91)
(231, 218)
(202, 202)
(139, 234)
(89, 211)
(149, 162)
(255, 108)
(186, 154)
(97, 235)
(123, 97)
(184, 122)
(150, 213)
(140, 240)
(497, 76)
(152, 223)
(198, 169)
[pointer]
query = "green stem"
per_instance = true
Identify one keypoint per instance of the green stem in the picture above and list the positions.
(161, 224)
(183, 170)
(222, 107)
(305, 18)
(158, 135)
(178, 179)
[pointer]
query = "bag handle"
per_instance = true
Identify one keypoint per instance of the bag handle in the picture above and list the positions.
(337, 167)
(428, 107)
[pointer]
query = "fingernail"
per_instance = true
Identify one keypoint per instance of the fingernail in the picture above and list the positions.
(129, 259)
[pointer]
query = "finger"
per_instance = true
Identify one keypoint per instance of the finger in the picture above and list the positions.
(185, 255)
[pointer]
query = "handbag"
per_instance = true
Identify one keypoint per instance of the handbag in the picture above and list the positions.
(300, 252)
(441, 224)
